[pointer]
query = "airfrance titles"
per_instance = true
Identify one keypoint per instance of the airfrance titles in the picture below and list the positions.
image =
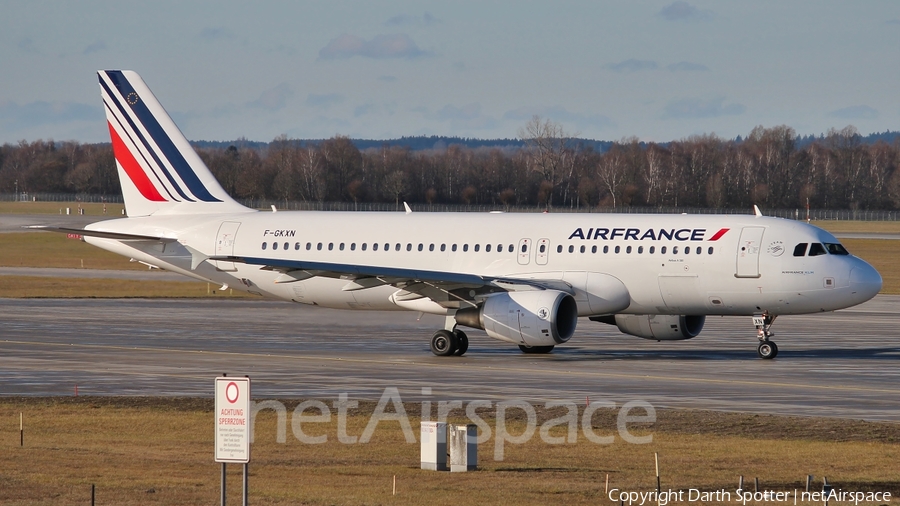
(649, 234)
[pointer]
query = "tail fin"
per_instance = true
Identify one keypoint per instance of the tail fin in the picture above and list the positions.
(159, 171)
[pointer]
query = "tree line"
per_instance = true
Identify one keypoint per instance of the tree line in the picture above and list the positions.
(769, 167)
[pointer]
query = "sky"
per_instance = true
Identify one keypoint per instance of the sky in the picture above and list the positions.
(655, 70)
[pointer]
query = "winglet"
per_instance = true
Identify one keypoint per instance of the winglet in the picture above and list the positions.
(406, 206)
(756, 210)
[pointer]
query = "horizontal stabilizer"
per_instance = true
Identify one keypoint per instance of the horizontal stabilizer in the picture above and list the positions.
(99, 233)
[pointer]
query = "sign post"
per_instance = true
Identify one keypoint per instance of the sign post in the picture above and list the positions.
(233, 425)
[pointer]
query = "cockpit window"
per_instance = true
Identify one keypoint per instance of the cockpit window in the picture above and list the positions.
(816, 249)
(836, 249)
(800, 249)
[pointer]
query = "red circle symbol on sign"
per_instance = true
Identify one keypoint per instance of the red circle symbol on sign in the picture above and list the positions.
(228, 392)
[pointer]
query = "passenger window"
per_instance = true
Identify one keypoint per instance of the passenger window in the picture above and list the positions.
(431, 247)
(571, 248)
(524, 248)
(511, 248)
(264, 245)
(652, 249)
(800, 249)
(443, 247)
(674, 250)
(363, 246)
(559, 249)
(582, 249)
(374, 246)
(640, 249)
(477, 247)
(286, 246)
(341, 247)
(606, 249)
(453, 248)
(465, 247)
(836, 249)
(499, 248)
(297, 246)
(319, 246)
(397, 247)
(308, 246)
(352, 246)
(816, 249)
(543, 248)
(408, 246)
(387, 247)
(687, 250)
(487, 248)
(421, 247)
(628, 250)
(662, 250)
(274, 245)
(710, 250)
(618, 249)
(330, 246)
(593, 249)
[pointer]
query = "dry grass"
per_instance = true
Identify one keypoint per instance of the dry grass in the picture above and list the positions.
(159, 451)
(879, 227)
(50, 287)
(49, 249)
(882, 254)
(90, 209)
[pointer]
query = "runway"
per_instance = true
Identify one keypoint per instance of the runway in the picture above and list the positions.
(842, 364)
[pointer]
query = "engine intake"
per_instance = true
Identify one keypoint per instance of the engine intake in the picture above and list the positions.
(532, 318)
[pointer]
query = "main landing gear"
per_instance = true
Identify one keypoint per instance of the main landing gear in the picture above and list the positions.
(767, 349)
(445, 343)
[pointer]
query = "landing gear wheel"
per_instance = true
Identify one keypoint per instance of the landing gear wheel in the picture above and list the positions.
(767, 350)
(536, 349)
(462, 342)
(444, 343)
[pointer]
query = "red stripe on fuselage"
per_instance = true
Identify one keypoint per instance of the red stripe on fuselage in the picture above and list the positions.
(718, 235)
(133, 168)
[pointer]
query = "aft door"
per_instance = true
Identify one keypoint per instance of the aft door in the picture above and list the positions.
(225, 244)
(748, 252)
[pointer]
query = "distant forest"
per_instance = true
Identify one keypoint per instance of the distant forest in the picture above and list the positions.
(544, 166)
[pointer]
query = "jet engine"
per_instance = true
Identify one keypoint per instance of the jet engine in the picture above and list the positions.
(529, 318)
(658, 327)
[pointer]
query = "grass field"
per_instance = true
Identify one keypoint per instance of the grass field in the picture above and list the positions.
(160, 451)
(90, 209)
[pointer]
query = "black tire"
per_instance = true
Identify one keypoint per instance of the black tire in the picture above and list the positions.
(443, 343)
(767, 350)
(462, 342)
(536, 349)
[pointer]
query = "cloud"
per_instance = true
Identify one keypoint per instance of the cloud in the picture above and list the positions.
(557, 113)
(406, 20)
(683, 11)
(686, 66)
(380, 47)
(45, 113)
(217, 33)
(895, 21)
(325, 100)
(468, 117)
(273, 99)
(855, 112)
(632, 65)
(363, 110)
(26, 45)
(699, 108)
(95, 47)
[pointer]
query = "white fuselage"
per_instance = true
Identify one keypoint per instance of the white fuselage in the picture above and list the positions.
(669, 264)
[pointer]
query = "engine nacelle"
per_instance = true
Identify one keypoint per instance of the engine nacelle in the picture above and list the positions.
(659, 327)
(531, 318)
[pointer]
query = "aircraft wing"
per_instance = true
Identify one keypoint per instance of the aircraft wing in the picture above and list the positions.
(101, 234)
(449, 289)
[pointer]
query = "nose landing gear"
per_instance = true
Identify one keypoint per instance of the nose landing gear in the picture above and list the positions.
(767, 349)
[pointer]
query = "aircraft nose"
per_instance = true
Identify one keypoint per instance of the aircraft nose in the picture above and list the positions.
(865, 281)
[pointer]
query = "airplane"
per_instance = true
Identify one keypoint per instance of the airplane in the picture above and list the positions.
(525, 279)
